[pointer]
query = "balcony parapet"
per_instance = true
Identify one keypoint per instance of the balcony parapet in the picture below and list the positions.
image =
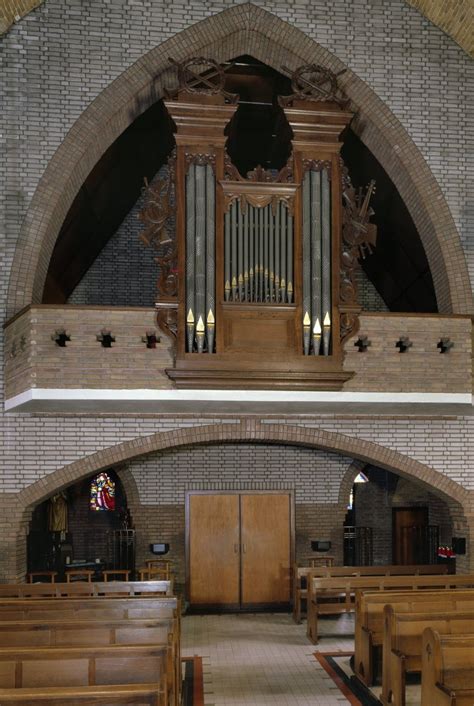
(37, 368)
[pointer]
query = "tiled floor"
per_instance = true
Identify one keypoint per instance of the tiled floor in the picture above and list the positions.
(264, 659)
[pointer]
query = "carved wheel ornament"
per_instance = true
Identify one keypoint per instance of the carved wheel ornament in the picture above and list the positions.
(201, 75)
(315, 83)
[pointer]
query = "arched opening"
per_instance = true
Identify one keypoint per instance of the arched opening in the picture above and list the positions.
(392, 519)
(112, 267)
(87, 525)
(260, 34)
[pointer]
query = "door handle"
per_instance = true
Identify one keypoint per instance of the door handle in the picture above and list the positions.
(244, 548)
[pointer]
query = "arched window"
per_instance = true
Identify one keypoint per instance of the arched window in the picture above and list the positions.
(102, 493)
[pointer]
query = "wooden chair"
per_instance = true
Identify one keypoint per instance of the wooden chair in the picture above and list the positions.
(79, 575)
(155, 573)
(123, 573)
(51, 575)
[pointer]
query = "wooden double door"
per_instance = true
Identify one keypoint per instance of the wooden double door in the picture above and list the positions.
(239, 550)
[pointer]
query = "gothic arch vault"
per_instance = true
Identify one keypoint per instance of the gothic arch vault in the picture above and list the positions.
(242, 29)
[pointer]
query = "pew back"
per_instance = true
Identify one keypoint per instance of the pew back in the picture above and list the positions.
(110, 695)
(85, 588)
(402, 645)
(369, 622)
(447, 669)
(337, 595)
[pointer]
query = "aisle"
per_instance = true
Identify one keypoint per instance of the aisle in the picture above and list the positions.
(263, 659)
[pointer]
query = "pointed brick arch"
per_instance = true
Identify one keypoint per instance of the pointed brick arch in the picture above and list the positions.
(242, 29)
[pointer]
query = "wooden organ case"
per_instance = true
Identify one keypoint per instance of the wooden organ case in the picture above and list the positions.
(256, 287)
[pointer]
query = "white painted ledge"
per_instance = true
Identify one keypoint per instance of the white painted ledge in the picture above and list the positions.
(257, 401)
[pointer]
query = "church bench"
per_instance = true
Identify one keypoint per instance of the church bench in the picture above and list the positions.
(369, 618)
(75, 633)
(332, 596)
(86, 667)
(89, 608)
(402, 645)
(300, 576)
(110, 695)
(84, 588)
(447, 669)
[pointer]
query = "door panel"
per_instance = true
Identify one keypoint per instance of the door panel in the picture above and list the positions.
(265, 537)
(407, 534)
(214, 561)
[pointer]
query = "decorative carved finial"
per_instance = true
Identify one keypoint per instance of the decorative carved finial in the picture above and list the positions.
(403, 344)
(315, 83)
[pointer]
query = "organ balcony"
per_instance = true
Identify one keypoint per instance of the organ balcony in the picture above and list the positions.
(256, 301)
(45, 372)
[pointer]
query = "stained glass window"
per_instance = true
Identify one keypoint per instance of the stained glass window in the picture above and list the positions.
(102, 493)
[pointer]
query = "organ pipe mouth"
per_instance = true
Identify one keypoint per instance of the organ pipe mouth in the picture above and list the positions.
(200, 325)
(327, 320)
(317, 327)
(306, 320)
(190, 317)
(210, 318)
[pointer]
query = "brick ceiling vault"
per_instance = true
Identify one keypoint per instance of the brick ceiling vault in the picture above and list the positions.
(454, 17)
(13, 10)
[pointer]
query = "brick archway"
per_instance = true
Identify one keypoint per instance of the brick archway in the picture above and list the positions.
(243, 29)
(248, 431)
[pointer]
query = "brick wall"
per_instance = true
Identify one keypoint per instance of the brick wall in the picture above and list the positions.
(34, 359)
(373, 508)
(164, 478)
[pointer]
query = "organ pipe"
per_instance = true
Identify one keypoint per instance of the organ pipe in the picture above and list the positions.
(210, 258)
(316, 244)
(326, 256)
(200, 258)
(200, 264)
(190, 250)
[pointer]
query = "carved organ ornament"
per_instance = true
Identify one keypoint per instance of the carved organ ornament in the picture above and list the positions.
(256, 288)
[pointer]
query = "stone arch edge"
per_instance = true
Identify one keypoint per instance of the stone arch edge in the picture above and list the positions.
(360, 450)
(240, 28)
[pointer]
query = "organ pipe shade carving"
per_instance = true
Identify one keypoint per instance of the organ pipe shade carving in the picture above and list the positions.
(258, 253)
(200, 258)
(316, 243)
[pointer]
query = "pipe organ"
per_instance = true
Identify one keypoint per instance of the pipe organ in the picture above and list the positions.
(263, 294)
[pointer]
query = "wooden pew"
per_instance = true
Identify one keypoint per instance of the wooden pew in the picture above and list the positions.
(402, 645)
(332, 596)
(75, 633)
(447, 669)
(369, 619)
(300, 577)
(85, 667)
(110, 695)
(85, 588)
(89, 608)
